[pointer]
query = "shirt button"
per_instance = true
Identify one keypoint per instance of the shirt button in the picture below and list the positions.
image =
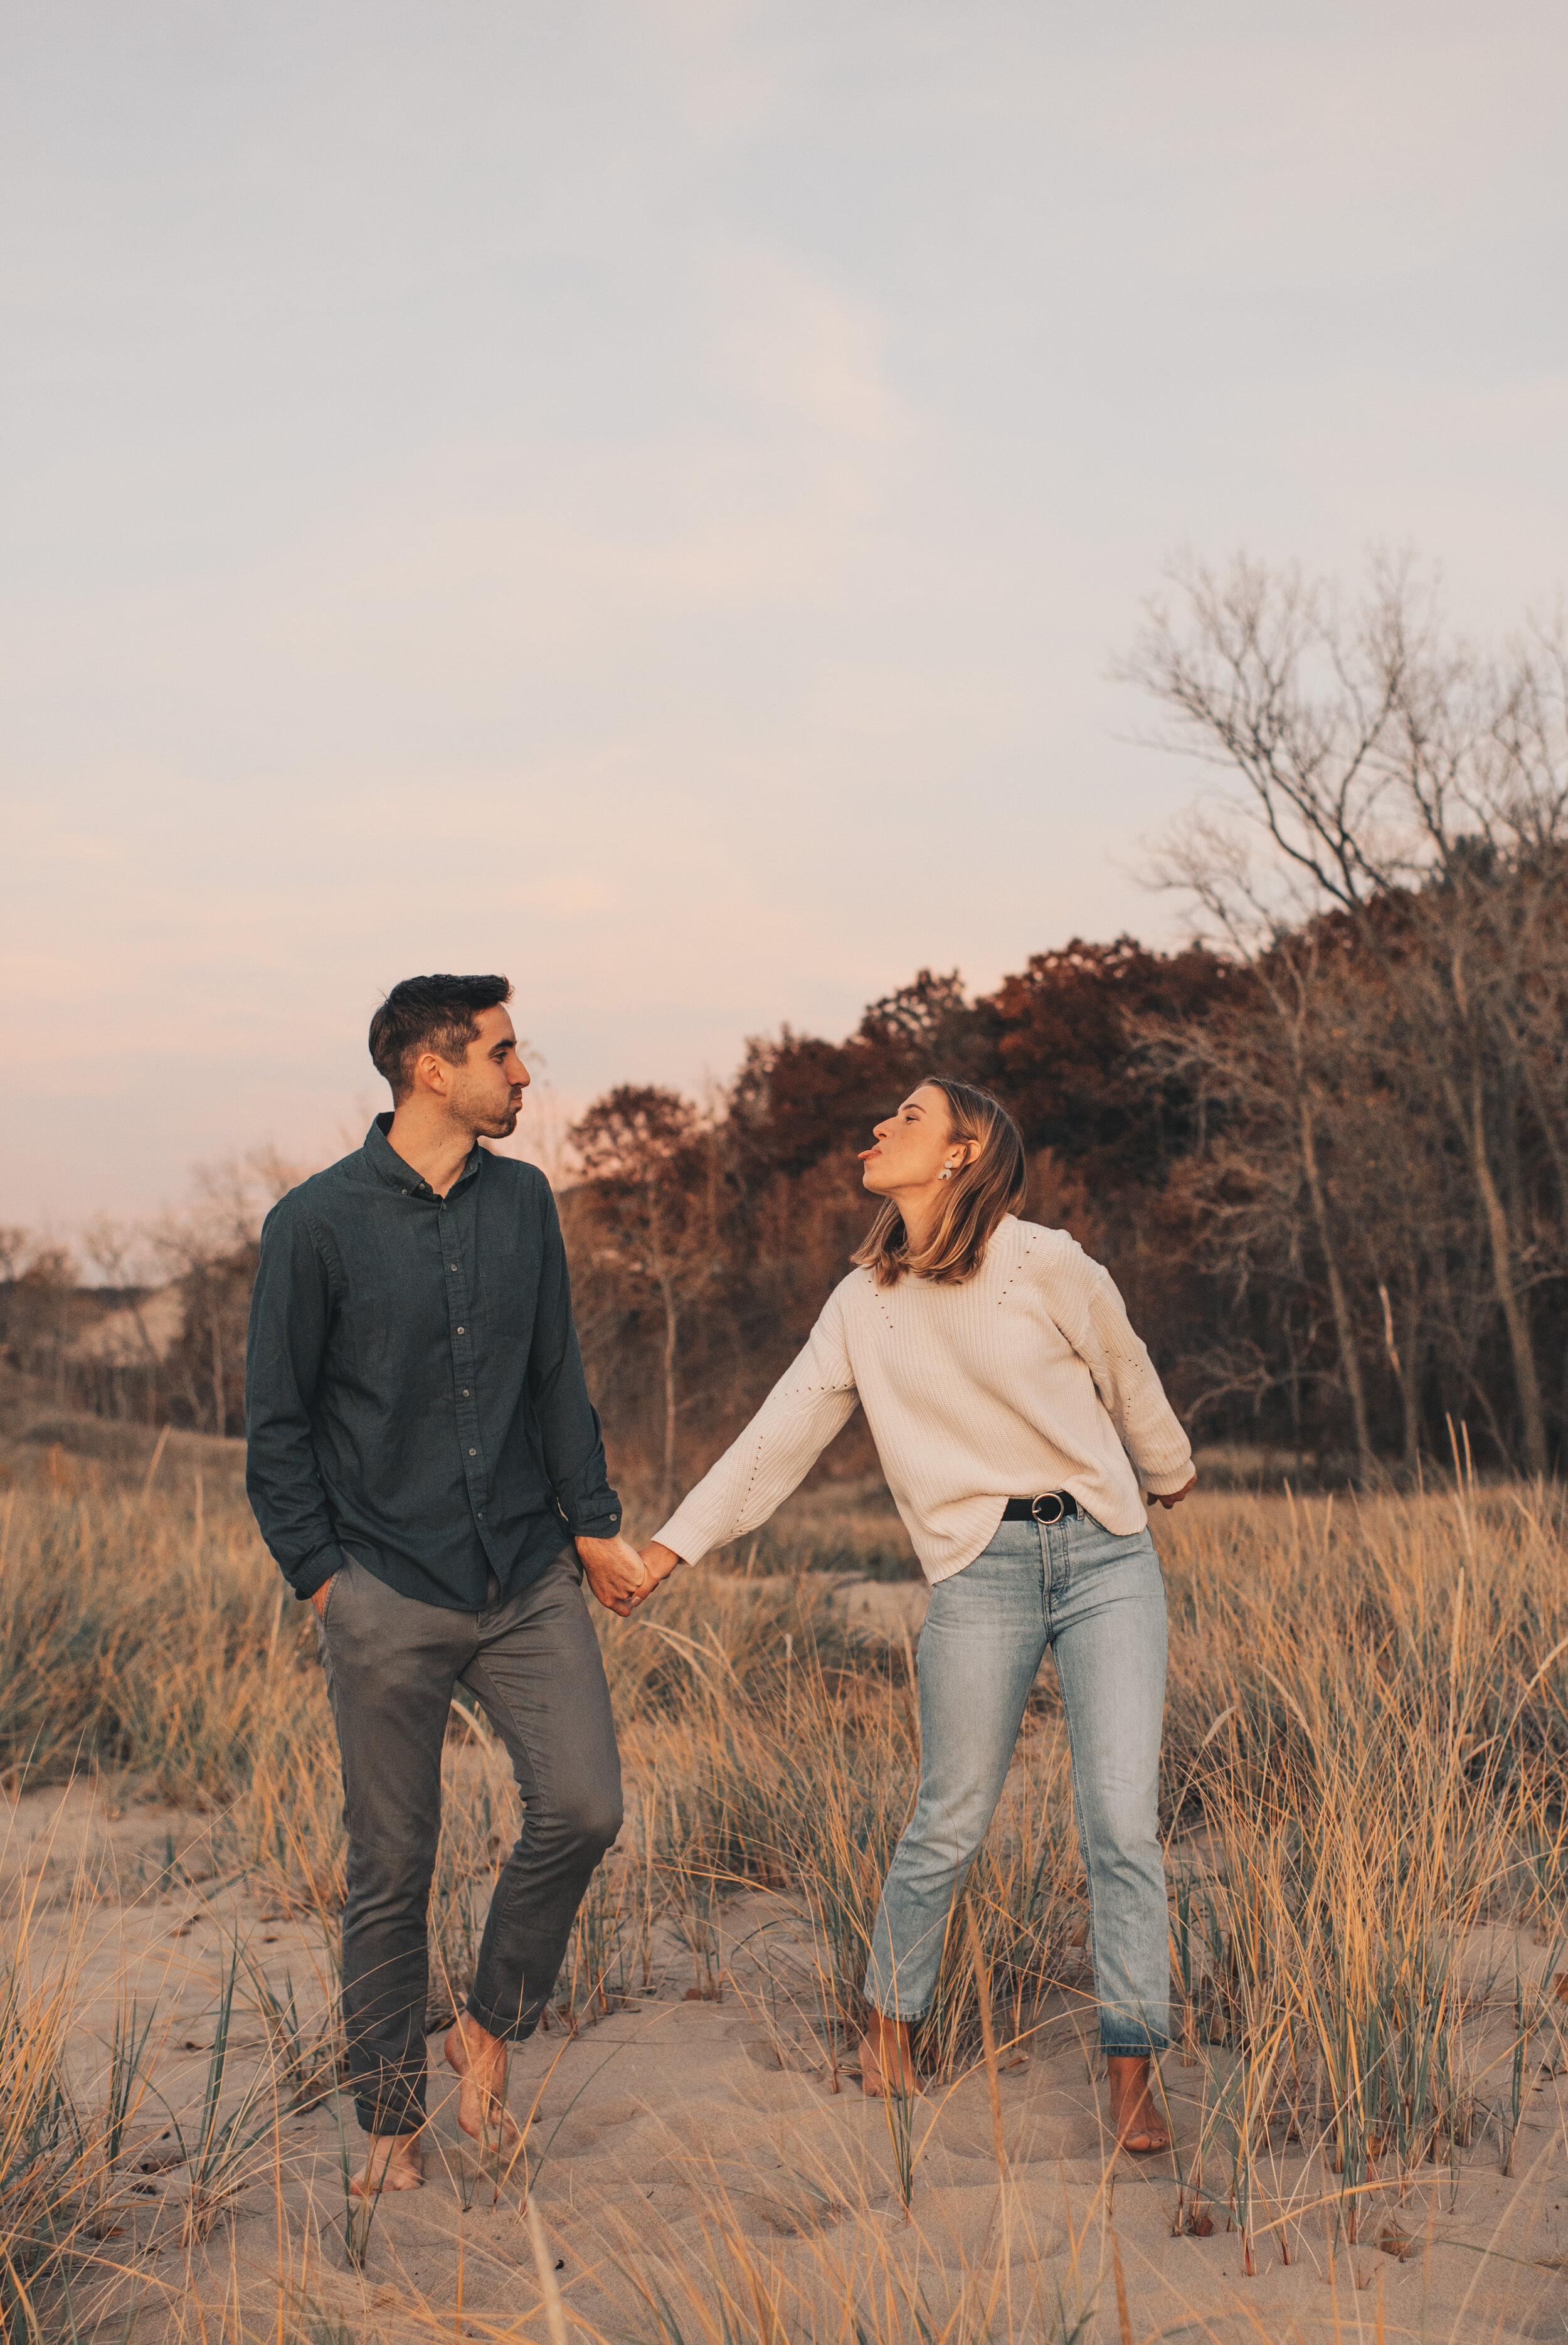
(460, 1331)
(453, 1266)
(474, 1453)
(465, 1392)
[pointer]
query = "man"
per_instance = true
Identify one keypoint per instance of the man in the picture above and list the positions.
(428, 1471)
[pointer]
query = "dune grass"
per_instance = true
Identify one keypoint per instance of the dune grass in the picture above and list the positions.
(1364, 1791)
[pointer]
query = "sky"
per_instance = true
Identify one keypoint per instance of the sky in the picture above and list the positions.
(647, 497)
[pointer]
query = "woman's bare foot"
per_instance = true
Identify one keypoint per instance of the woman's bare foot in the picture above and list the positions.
(1138, 2125)
(480, 2060)
(885, 2056)
(395, 2161)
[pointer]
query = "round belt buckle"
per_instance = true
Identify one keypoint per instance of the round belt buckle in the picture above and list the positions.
(1048, 1498)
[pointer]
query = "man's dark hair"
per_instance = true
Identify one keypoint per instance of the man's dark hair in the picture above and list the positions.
(429, 1013)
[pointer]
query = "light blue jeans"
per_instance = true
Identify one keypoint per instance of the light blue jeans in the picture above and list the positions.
(1098, 1602)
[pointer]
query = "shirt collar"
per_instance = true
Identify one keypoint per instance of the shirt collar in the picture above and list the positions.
(389, 1166)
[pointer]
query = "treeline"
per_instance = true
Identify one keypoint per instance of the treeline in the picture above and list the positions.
(145, 1322)
(1323, 1149)
(1301, 1211)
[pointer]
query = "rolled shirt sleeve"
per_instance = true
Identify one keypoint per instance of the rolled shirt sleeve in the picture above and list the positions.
(285, 1341)
(571, 1436)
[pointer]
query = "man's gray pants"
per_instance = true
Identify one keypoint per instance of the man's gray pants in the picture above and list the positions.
(532, 1663)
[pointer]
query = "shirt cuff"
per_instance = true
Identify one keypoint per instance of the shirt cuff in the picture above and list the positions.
(315, 1572)
(1173, 1478)
(598, 1517)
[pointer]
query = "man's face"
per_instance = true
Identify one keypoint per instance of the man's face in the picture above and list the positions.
(487, 1088)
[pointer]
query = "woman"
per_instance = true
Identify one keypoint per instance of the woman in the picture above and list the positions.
(1009, 1402)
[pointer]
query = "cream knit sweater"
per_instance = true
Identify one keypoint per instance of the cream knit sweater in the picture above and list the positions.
(1027, 1377)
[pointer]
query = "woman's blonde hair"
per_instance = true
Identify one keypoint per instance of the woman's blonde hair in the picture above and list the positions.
(992, 1184)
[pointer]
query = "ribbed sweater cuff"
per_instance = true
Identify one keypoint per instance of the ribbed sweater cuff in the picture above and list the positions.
(682, 1535)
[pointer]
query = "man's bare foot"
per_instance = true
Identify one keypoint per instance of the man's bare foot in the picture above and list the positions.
(480, 2060)
(885, 2057)
(1138, 2125)
(395, 2161)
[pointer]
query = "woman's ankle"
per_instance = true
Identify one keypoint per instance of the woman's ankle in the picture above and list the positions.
(887, 2041)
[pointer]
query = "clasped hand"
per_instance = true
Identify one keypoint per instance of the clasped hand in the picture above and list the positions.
(619, 1577)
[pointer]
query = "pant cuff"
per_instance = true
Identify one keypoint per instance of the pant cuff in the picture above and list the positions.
(515, 2030)
(387, 2122)
(1148, 2046)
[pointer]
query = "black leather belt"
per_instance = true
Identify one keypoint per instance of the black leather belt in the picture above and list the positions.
(1050, 1507)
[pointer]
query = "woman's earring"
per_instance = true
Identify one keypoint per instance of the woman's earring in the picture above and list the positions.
(946, 1173)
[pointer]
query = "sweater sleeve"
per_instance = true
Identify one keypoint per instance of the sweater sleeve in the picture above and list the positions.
(1087, 1305)
(811, 1402)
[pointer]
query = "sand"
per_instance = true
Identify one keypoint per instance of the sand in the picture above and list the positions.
(682, 2147)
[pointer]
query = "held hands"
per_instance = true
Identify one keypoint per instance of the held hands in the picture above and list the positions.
(1172, 1497)
(619, 1577)
(615, 1571)
(658, 1562)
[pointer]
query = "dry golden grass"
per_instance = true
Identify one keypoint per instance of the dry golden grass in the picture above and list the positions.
(1367, 1727)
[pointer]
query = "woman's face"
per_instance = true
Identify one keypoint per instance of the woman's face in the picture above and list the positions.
(913, 1146)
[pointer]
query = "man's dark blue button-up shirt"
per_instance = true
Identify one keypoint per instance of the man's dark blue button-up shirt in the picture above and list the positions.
(413, 1387)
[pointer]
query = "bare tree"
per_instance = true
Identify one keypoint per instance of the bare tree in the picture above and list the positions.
(210, 1248)
(41, 1316)
(650, 1156)
(1261, 1186)
(117, 1251)
(1373, 763)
